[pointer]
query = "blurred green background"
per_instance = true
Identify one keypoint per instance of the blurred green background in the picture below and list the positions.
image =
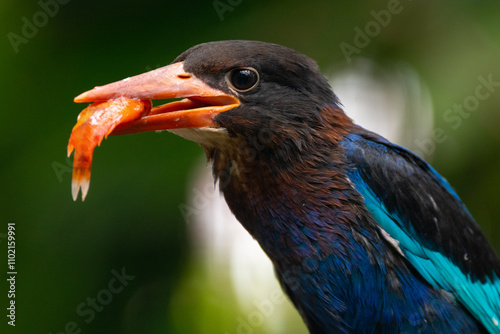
(67, 251)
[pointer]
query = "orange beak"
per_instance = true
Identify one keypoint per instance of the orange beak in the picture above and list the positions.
(200, 105)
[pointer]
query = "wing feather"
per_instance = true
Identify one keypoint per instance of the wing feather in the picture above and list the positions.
(435, 231)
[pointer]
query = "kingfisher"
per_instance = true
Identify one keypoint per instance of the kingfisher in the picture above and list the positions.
(364, 235)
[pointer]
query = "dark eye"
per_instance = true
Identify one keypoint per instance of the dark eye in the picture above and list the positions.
(243, 79)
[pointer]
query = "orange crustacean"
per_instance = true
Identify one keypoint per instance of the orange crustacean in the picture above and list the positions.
(125, 107)
(94, 123)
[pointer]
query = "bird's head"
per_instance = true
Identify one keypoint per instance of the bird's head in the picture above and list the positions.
(234, 92)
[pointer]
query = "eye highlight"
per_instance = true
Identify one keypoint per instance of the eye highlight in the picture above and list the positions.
(243, 79)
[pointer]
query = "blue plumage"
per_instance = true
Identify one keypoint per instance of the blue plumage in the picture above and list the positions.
(478, 290)
(352, 265)
(365, 236)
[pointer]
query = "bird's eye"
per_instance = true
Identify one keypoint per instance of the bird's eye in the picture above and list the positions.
(243, 79)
